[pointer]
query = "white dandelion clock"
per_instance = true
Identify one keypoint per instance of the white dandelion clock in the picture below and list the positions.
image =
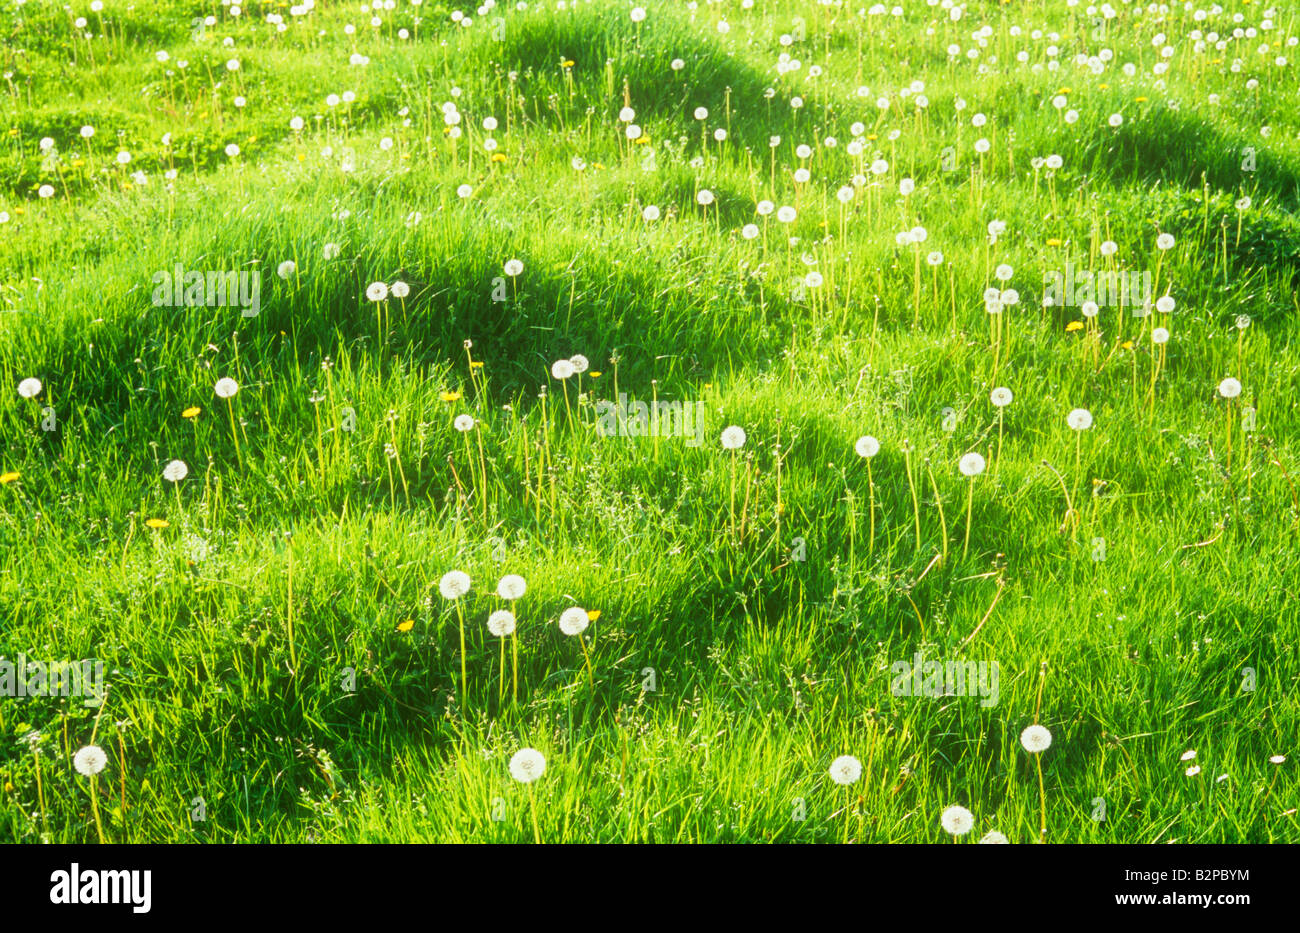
(562, 369)
(454, 584)
(957, 821)
(464, 423)
(175, 471)
(867, 446)
(733, 437)
(846, 770)
(511, 586)
(513, 267)
(1230, 388)
(993, 837)
(1080, 419)
(377, 291)
(30, 388)
(574, 620)
(226, 387)
(972, 465)
(527, 765)
(501, 623)
(1001, 396)
(90, 760)
(1036, 739)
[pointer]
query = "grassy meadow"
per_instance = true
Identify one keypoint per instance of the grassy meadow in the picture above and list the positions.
(479, 238)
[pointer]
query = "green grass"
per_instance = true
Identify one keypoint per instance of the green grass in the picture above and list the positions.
(263, 681)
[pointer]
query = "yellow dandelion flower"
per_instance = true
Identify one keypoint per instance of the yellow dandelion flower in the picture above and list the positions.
(594, 373)
(7, 478)
(158, 523)
(871, 136)
(449, 396)
(567, 63)
(596, 165)
(593, 615)
(1103, 87)
(1139, 100)
(1127, 344)
(1073, 326)
(1064, 90)
(476, 364)
(496, 157)
(1053, 241)
(406, 626)
(191, 412)
(9, 787)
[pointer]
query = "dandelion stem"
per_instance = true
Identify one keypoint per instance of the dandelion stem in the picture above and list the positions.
(532, 807)
(970, 499)
(460, 621)
(591, 680)
(94, 808)
(871, 509)
(501, 678)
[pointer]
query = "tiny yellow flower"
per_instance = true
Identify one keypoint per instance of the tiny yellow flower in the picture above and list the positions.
(593, 615)
(476, 364)
(496, 157)
(1073, 326)
(1103, 87)
(1064, 90)
(7, 478)
(1139, 100)
(449, 396)
(157, 523)
(1053, 241)
(9, 787)
(191, 412)
(406, 626)
(871, 136)
(566, 64)
(1127, 344)
(594, 373)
